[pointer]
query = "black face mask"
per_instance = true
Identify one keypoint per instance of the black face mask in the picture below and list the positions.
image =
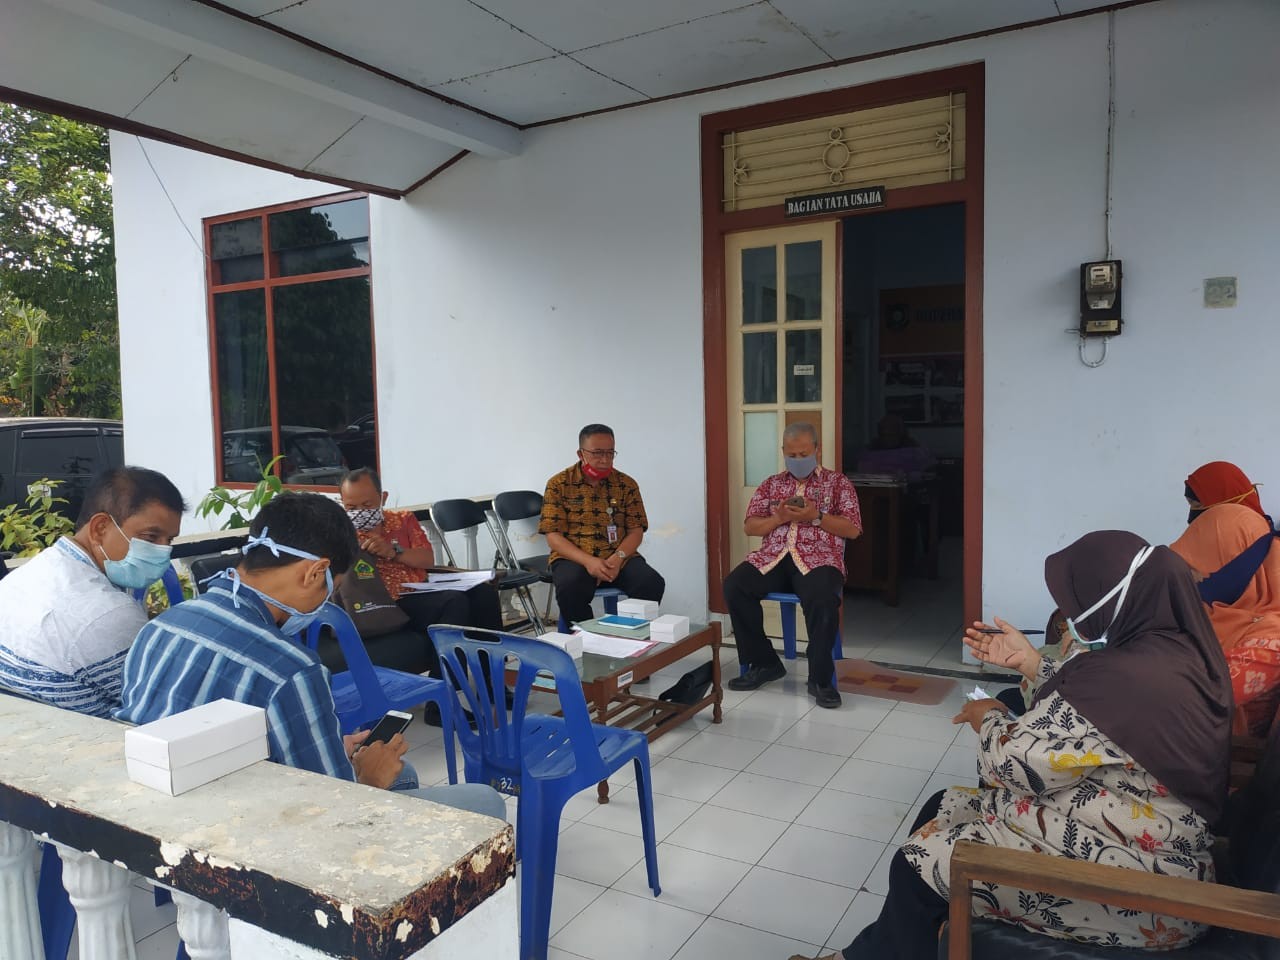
(1192, 514)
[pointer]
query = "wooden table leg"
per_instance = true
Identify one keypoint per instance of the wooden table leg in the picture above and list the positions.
(602, 791)
(717, 714)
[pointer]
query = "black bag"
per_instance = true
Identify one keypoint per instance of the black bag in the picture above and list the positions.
(365, 598)
(690, 688)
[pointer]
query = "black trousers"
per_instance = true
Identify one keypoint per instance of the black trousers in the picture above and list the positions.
(575, 587)
(477, 607)
(912, 915)
(819, 591)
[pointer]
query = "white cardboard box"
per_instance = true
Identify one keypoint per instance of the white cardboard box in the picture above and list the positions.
(669, 628)
(641, 609)
(186, 750)
(571, 643)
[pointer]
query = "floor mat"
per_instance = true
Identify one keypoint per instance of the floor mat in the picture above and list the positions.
(873, 680)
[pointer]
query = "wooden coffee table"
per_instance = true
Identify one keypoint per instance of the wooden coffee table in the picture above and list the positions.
(609, 687)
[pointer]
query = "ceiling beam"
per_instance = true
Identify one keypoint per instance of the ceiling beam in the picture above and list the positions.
(250, 49)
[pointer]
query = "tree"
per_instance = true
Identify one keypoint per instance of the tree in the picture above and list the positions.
(57, 267)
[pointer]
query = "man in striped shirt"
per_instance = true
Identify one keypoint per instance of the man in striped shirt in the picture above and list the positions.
(66, 617)
(238, 641)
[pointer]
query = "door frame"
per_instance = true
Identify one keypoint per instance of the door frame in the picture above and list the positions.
(716, 223)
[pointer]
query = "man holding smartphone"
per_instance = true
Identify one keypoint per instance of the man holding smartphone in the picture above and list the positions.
(804, 514)
(239, 640)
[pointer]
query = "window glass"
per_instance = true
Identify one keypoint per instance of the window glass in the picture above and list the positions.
(804, 281)
(760, 368)
(759, 285)
(324, 376)
(236, 250)
(58, 453)
(804, 366)
(334, 236)
(244, 386)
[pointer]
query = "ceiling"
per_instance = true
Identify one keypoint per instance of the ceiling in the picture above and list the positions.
(381, 93)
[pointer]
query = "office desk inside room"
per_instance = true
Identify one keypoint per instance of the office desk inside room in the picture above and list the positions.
(873, 560)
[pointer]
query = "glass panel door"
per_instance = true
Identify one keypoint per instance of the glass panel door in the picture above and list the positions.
(782, 346)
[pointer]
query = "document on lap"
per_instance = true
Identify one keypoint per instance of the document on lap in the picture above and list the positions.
(454, 580)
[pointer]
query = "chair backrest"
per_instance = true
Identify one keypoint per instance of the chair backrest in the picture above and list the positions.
(1255, 823)
(517, 505)
(373, 701)
(498, 737)
(450, 516)
(172, 587)
(203, 568)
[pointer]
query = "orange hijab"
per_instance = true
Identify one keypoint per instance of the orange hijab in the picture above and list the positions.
(1217, 536)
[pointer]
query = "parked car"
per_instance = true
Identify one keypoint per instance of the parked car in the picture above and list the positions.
(359, 443)
(59, 448)
(311, 457)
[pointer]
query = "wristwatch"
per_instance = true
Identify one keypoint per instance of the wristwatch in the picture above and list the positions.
(395, 545)
(818, 522)
(620, 553)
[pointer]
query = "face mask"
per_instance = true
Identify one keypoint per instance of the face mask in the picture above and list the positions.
(594, 473)
(366, 518)
(801, 467)
(1121, 588)
(143, 565)
(297, 621)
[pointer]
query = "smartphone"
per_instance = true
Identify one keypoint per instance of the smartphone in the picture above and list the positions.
(794, 502)
(394, 722)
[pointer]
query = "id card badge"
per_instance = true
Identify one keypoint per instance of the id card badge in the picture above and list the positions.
(611, 532)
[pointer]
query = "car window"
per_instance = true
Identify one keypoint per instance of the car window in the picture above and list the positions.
(314, 450)
(58, 453)
(113, 446)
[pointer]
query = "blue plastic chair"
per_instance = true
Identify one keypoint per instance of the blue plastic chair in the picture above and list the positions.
(540, 759)
(787, 604)
(172, 587)
(364, 693)
(610, 596)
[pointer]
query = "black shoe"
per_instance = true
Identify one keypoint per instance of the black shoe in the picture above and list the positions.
(757, 677)
(828, 697)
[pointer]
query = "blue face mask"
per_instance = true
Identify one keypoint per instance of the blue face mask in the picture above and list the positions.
(141, 566)
(801, 467)
(297, 621)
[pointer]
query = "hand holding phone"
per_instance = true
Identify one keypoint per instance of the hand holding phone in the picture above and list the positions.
(797, 502)
(395, 721)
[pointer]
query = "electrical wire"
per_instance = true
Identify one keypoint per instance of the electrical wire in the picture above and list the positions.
(1111, 119)
(1093, 364)
(176, 212)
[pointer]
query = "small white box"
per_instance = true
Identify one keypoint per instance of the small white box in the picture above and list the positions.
(669, 628)
(186, 750)
(570, 643)
(640, 609)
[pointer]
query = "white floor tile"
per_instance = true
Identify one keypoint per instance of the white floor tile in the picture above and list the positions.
(882, 747)
(857, 713)
(879, 780)
(823, 855)
(786, 905)
(861, 913)
(919, 726)
(569, 899)
(596, 855)
(622, 813)
(780, 703)
(721, 940)
(878, 881)
(750, 725)
(618, 926)
(555, 953)
(690, 879)
(161, 945)
(689, 780)
(720, 751)
(960, 760)
(728, 833)
(764, 796)
(145, 916)
(824, 738)
(792, 763)
(670, 742)
(872, 818)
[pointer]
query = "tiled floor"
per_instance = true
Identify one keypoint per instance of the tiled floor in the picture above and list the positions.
(775, 827)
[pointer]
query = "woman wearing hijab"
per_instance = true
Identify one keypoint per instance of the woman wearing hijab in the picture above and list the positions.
(1121, 760)
(1236, 553)
(1217, 483)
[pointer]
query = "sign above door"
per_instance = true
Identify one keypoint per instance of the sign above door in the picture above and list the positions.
(838, 201)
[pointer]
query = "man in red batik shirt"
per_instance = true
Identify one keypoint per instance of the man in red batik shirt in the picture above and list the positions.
(805, 514)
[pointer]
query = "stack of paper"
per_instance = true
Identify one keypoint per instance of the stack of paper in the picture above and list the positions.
(459, 580)
(615, 648)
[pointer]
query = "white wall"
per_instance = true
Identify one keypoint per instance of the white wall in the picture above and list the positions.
(517, 299)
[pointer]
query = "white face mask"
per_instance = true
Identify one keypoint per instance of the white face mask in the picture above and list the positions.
(1121, 588)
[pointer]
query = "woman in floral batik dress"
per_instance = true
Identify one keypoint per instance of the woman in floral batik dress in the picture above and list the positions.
(1122, 759)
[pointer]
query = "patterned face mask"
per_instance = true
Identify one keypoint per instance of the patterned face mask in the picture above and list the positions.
(365, 518)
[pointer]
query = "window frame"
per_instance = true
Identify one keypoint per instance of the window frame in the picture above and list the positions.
(268, 283)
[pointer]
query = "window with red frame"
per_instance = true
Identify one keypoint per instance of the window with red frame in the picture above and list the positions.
(292, 341)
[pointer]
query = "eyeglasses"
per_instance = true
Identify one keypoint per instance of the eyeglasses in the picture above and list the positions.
(601, 454)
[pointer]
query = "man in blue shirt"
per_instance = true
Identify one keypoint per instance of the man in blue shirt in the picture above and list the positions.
(237, 641)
